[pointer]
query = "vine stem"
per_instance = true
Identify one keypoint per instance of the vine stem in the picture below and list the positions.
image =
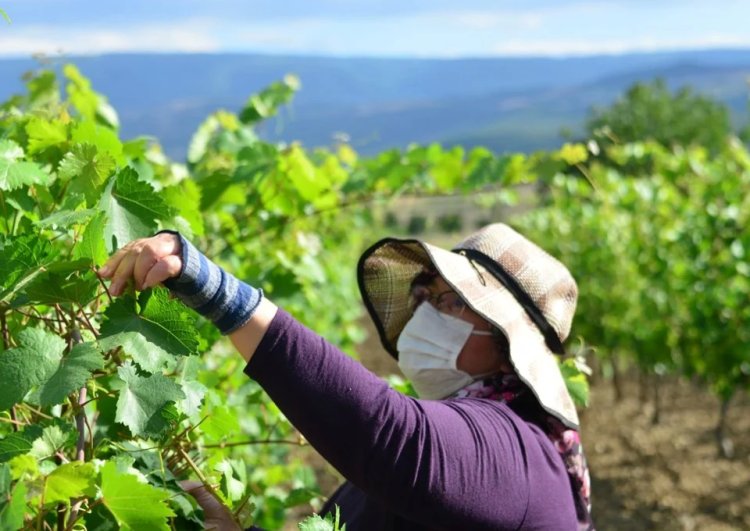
(106, 290)
(81, 422)
(198, 472)
(88, 323)
(6, 344)
(257, 441)
(12, 420)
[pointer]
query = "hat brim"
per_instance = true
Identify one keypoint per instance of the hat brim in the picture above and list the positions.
(385, 273)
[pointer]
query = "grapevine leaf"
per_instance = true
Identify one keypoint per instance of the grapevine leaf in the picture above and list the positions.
(53, 439)
(161, 321)
(193, 389)
(17, 174)
(135, 505)
(12, 512)
(80, 94)
(21, 259)
(5, 479)
(139, 197)
(221, 422)
(147, 355)
(576, 382)
(10, 151)
(64, 282)
(201, 137)
(19, 443)
(71, 480)
(103, 138)
(72, 373)
(187, 196)
(87, 169)
(132, 208)
(25, 366)
(93, 245)
(142, 399)
(45, 133)
(317, 523)
(65, 218)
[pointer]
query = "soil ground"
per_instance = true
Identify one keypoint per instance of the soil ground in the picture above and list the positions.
(667, 476)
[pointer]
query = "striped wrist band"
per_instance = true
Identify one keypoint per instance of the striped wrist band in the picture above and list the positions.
(211, 291)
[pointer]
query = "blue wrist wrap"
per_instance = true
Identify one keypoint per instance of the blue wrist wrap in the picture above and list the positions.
(217, 295)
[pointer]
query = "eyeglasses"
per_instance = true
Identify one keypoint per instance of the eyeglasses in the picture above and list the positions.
(446, 301)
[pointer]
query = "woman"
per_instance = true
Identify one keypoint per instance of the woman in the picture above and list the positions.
(490, 444)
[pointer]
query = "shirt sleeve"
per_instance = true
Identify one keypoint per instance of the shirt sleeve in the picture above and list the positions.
(444, 464)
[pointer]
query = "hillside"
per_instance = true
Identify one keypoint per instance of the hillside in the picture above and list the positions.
(504, 103)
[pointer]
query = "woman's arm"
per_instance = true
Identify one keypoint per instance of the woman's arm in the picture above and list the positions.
(439, 463)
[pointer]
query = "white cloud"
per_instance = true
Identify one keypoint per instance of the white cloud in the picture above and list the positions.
(566, 47)
(190, 36)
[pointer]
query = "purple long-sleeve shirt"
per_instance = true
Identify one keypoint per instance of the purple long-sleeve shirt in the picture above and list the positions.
(466, 464)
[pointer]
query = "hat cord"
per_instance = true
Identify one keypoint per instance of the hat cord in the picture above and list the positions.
(527, 303)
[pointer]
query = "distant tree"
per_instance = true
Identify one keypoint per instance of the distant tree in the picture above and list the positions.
(650, 111)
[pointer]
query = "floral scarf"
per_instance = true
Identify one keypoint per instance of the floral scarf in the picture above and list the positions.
(507, 388)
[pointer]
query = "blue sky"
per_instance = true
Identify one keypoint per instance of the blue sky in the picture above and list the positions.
(416, 28)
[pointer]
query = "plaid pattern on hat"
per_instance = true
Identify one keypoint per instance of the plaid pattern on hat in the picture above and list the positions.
(485, 269)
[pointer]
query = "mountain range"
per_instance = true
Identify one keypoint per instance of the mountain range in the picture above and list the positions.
(506, 104)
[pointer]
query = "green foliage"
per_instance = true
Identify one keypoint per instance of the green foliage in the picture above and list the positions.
(143, 400)
(71, 480)
(135, 505)
(316, 523)
(661, 260)
(120, 382)
(651, 111)
(32, 363)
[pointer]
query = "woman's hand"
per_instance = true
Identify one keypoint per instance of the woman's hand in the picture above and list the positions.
(147, 261)
(217, 516)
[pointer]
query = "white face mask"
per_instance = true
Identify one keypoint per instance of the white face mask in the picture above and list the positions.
(428, 348)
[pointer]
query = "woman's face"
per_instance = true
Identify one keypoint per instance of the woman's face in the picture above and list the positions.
(481, 354)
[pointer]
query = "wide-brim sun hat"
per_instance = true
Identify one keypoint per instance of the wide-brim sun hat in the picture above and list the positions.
(505, 278)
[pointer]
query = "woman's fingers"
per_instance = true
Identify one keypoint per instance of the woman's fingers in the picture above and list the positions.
(217, 515)
(123, 274)
(168, 267)
(147, 261)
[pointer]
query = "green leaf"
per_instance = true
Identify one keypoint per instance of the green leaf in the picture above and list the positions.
(14, 175)
(45, 133)
(5, 16)
(221, 423)
(54, 439)
(65, 218)
(71, 480)
(21, 259)
(19, 443)
(132, 208)
(103, 138)
(73, 372)
(187, 197)
(136, 506)
(12, 512)
(193, 389)
(10, 151)
(93, 244)
(201, 137)
(316, 523)
(29, 364)
(142, 400)
(149, 356)
(162, 322)
(70, 282)
(88, 170)
(576, 382)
